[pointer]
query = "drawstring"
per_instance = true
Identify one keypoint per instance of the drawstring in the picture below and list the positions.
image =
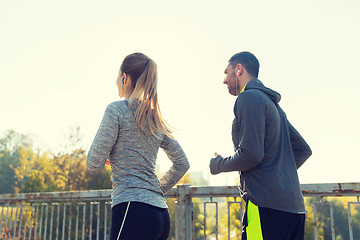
(122, 225)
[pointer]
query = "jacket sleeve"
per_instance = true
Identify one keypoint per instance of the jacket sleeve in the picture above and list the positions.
(250, 112)
(301, 149)
(104, 141)
(180, 164)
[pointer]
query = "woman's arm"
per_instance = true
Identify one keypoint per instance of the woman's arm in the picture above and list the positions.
(180, 163)
(104, 140)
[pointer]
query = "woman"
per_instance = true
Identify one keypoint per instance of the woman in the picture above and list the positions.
(130, 135)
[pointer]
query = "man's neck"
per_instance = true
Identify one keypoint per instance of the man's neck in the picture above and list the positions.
(244, 81)
(248, 78)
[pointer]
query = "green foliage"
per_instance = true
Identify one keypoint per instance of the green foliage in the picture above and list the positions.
(198, 219)
(309, 220)
(10, 145)
(197, 209)
(7, 178)
(235, 219)
(356, 222)
(340, 213)
(101, 180)
(12, 141)
(22, 169)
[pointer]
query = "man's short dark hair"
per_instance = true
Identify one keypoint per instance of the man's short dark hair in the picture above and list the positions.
(248, 60)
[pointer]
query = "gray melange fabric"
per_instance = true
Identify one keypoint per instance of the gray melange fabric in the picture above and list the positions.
(132, 157)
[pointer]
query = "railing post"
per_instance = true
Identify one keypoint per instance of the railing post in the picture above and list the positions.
(315, 221)
(183, 214)
(351, 234)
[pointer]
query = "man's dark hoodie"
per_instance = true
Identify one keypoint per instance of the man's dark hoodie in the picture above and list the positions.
(268, 151)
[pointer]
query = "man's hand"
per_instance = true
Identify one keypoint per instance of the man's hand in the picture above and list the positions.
(214, 163)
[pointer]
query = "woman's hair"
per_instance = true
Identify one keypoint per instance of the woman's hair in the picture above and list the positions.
(143, 73)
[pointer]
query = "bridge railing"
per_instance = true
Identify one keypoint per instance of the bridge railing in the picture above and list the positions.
(87, 214)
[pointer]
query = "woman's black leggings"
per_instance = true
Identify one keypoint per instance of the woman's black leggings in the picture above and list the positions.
(139, 221)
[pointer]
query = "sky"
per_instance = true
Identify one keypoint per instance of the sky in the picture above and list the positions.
(59, 61)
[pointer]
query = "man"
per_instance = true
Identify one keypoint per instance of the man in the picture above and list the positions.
(268, 152)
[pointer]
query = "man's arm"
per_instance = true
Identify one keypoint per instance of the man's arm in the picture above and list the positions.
(250, 111)
(301, 149)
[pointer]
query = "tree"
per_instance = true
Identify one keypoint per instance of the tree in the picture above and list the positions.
(13, 140)
(35, 172)
(70, 170)
(356, 222)
(309, 220)
(101, 180)
(10, 145)
(323, 218)
(235, 219)
(47, 172)
(6, 173)
(172, 205)
(23, 168)
(197, 213)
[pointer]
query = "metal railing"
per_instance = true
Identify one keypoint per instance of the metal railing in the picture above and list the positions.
(87, 214)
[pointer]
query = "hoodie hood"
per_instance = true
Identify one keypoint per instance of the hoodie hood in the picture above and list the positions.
(257, 84)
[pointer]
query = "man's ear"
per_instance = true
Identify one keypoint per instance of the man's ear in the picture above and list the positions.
(239, 69)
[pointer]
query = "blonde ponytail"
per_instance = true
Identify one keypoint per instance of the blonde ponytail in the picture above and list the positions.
(148, 116)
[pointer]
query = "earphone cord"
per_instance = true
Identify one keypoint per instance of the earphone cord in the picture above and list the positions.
(122, 87)
(236, 82)
(122, 90)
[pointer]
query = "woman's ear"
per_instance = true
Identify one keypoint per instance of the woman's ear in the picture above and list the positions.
(127, 79)
(124, 78)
